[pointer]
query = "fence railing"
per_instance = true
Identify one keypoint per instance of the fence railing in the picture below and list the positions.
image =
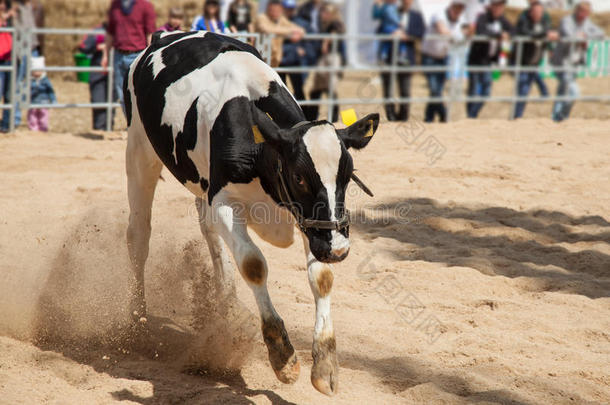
(21, 55)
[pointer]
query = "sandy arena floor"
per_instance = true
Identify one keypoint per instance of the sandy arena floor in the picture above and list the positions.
(480, 276)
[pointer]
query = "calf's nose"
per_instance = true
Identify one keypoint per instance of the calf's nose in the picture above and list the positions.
(339, 245)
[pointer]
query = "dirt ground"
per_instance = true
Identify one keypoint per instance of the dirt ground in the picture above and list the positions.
(477, 275)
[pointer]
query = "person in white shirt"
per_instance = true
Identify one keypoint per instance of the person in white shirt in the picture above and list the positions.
(572, 54)
(435, 52)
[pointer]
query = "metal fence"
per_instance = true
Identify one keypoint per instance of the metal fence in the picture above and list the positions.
(21, 55)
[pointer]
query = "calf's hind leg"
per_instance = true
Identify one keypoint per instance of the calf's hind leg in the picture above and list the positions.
(143, 170)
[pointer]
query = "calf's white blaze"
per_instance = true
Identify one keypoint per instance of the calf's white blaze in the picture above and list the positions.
(324, 149)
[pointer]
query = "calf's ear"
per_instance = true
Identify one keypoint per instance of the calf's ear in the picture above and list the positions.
(267, 131)
(359, 134)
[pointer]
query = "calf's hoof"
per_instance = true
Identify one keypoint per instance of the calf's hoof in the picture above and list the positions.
(325, 369)
(282, 356)
(289, 374)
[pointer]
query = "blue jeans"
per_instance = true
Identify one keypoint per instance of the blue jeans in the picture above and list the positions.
(479, 84)
(436, 85)
(5, 94)
(544, 90)
(122, 62)
(524, 83)
(567, 87)
(386, 52)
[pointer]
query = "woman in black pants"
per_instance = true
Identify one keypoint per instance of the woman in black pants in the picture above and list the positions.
(98, 81)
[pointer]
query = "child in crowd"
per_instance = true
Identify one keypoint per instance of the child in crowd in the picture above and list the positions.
(42, 93)
(174, 23)
(240, 16)
(210, 19)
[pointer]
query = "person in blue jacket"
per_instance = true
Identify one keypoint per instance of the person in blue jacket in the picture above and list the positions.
(386, 11)
(210, 19)
(409, 26)
(297, 54)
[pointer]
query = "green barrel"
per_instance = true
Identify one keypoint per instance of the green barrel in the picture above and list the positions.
(82, 60)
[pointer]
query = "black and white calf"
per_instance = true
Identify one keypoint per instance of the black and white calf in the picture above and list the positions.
(208, 108)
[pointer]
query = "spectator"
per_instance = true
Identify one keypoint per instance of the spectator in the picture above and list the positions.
(492, 24)
(435, 53)
(310, 12)
(6, 46)
(535, 26)
(22, 14)
(571, 54)
(25, 18)
(210, 19)
(312, 46)
(175, 20)
(386, 11)
(41, 93)
(291, 13)
(39, 18)
(131, 24)
(294, 54)
(546, 21)
(410, 27)
(330, 23)
(93, 45)
(240, 16)
(6, 12)
(274, 22)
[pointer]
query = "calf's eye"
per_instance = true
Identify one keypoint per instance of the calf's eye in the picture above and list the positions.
(299, 180)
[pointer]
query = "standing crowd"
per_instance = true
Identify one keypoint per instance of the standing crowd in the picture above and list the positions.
(416, 42)
(567, 45)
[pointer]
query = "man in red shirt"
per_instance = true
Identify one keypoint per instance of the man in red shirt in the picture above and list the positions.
(131, 24)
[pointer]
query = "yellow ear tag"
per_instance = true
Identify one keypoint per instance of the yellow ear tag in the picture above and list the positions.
(349, 117)
(258, 137)
(371, 129)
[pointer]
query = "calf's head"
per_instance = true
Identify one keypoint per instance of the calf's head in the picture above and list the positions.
(316, 167)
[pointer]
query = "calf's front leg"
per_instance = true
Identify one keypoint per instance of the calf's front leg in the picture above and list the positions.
(231, 225)
(325, 369)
